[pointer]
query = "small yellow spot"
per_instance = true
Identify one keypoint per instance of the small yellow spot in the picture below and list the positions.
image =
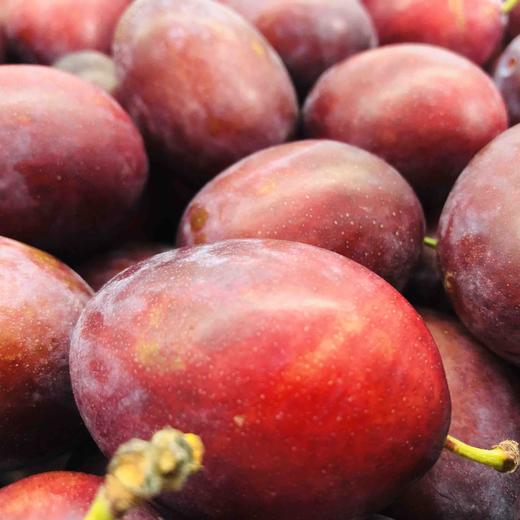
(198, 218)
(448, 285)
(239, 420)
(267, 187)
(258, 48)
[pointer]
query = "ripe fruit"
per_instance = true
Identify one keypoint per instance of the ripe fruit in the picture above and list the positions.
(57, 495)
(310, 36)
(40, 301)
(303, 372)
(507, 79)
(92, 66)
(319, 192)
(478, 249)
(485, 407)
(423, 109)
(226, 96)
(43, 30)
(473, 28)
(102, 268)
(72, 164)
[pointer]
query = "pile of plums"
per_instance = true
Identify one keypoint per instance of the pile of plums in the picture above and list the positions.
(290, 227)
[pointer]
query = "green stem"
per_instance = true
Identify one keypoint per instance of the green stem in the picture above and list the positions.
(141, 470)
(509, 5)
(431, 242)
(505, 457)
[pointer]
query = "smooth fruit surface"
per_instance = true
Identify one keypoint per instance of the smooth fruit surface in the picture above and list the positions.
(423, 109)
(478, 249)
(72, 163)
(314, 385)
(310, 36)
(319, 192)
(226, 96)
(40, 301)
(473, 28)
(42, 31)
(485, 408)
(57, 495)
(507, 78)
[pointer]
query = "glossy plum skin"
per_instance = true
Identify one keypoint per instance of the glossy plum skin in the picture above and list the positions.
(473, 28)
(513, 26)
(478, 251)
(507, 78)
(303, 372)
(92, 66)
(57, 495)
(72, 163)
(227, 96)
(324, 193)
(310, 36)
(99, 270)
(41, 31)
(485, 408)
(447, 108)
(40, 302)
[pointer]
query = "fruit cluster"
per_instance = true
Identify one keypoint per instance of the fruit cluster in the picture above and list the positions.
(290, 228)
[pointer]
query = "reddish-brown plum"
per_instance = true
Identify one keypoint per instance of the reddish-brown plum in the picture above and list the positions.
(226, 95)
(485, 408)
(92, 66)
(315, 387)
(424, 109)
(72, 163)
(513, 26)
(40, 302)
(310, 36)
(473, 28)
(41, 31)
(102, 268)
(57, 495)
(479, 250)
(319, 192)
(507, 79)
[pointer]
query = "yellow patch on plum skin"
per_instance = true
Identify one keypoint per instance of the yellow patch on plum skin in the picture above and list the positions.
(198, 218)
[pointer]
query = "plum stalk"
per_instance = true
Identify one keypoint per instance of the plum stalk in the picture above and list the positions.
(509, 5)
(431, 242)
(505, 457)
(140, 470)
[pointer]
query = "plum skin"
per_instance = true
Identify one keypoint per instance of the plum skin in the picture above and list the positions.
(41, 31)
(72, 163)
(60, 495)
(198, 338)
(507, 78)
(374, 98)
(478, 253)
(228, 95)
(40, 301)
(310, 36)
(319, 192)
(473, 28)
(484, 408)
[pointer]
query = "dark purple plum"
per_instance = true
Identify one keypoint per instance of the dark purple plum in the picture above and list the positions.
(507, 79)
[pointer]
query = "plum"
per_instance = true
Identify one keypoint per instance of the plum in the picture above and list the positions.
(478, 249)
(226, 95)
(316, 388)
(40, 301)
(102, 268)
(310, 36)
(507, 79)
(72, 163)
(92, 66)
(473, 28)
(423, 109)
(57, 495)
(41, 31)
(513, 26)
(320, 192)
(485, 404)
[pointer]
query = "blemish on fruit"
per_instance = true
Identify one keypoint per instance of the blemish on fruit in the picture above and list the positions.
(258, 48)
(198, 218)
(239, 420)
